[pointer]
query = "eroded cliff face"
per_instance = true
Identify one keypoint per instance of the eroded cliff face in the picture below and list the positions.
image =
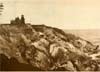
(48, 48)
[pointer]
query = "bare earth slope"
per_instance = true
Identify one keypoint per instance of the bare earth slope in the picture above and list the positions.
(40, 47)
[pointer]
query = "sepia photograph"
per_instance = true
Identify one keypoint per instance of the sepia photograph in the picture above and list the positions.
(50, 35)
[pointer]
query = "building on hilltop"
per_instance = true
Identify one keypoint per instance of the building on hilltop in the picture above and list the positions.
(18, 21)
(22, 19)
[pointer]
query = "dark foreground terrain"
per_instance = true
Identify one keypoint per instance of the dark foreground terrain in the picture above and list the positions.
(13, 65)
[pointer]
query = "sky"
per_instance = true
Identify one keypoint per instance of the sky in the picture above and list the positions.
(64, 14)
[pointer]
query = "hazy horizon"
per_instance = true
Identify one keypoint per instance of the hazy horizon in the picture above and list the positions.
(90, 35)
(64, 14)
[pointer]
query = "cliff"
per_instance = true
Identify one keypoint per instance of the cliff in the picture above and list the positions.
(41, 47)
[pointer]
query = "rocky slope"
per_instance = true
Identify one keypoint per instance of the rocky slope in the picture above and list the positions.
(46, 48)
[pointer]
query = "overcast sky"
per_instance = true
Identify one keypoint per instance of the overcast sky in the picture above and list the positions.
(64, 14)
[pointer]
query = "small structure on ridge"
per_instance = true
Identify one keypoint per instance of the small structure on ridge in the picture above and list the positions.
(18, 21)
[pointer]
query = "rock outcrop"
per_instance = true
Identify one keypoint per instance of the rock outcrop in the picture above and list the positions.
(47, 48)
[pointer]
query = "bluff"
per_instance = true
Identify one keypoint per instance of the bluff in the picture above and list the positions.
(46, 48)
